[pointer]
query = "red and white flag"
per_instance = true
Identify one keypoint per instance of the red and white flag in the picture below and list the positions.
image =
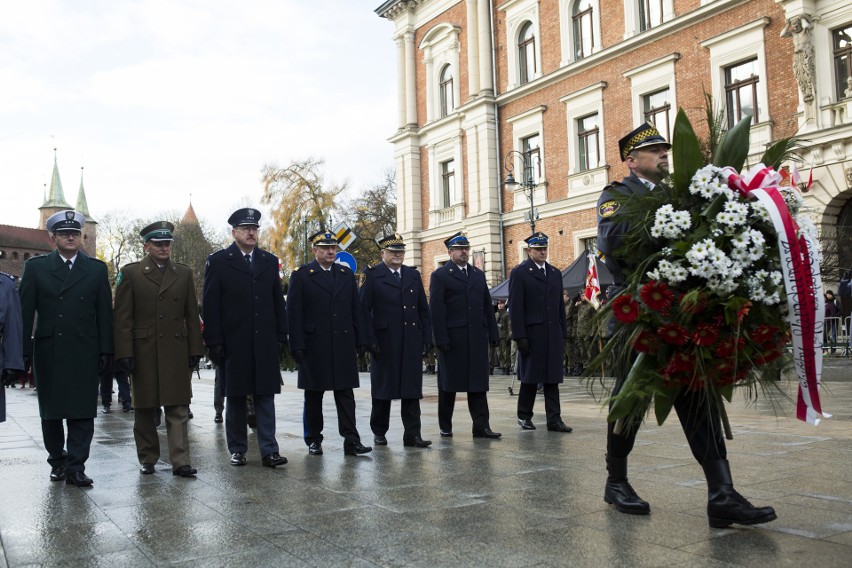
(592, 292)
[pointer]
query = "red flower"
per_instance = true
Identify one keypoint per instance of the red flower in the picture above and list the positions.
(673, 334)
(694, 303)
(743, 312)
(764, 334)
(680, 363)
(728, 346)
(646, 342)
(657, 296)
(705, 334)
(625, 308)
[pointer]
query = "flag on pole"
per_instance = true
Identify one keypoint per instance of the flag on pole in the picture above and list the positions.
(592, 292)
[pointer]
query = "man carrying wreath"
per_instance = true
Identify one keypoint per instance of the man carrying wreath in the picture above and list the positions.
(645, 152)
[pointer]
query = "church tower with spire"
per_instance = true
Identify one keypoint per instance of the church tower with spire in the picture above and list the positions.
(54, 201)
(90, 229)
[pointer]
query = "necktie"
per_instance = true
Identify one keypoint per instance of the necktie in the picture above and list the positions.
(544, 272)
(464, 271)
(69, 264)
(248, 260)
(398, 277)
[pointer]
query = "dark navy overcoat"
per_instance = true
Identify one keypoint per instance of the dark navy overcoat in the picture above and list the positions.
(327, 323)
(399, 323)
(243, 309)
(463, 318)
(537, 313)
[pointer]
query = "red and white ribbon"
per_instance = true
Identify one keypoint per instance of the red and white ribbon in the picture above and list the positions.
(802, 281)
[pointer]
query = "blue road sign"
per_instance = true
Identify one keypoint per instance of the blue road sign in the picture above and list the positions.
(344, 257)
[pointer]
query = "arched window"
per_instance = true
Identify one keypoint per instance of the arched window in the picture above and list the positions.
(526, 53)
(445, 83)
(584, 37)
(14, 256)
(2, 254)
(26, 255)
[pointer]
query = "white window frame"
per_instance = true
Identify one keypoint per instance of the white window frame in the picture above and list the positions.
(650, 78)
(440, 47)
(441, 213)
(631, 17)
(578, 105)
(518, 13)
(524, 125)
(566, 25)
(735, 46)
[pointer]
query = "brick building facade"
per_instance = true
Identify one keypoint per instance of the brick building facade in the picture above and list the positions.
(486, 86)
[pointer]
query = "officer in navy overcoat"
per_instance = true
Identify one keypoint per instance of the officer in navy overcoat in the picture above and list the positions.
(537, 312)
(327, 329)
(245, 330)
(395, 303)
(463, 325)
(11, 337)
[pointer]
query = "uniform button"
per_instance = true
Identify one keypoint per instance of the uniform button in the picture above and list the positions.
(160, 298)
(61, 297)
(59, 334)
(161, 317)
(60, 315)
(161, 335)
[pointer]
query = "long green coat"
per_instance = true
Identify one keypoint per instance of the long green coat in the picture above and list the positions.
(156, 323)
(71, 311)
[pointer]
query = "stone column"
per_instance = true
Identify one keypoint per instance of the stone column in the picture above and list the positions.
(402, 118)
(410, 80)
(486, 79)
(473, 54)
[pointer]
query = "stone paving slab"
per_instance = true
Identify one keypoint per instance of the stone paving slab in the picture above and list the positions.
(533, 498)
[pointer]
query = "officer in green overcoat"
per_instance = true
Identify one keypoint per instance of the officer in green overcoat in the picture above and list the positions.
(158, 343)
(66, 296)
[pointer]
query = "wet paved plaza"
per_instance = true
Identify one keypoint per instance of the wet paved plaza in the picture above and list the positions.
(533, 498)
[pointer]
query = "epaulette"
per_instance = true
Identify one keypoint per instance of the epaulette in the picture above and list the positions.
(9, 276)
(39, 258)
(98, 260)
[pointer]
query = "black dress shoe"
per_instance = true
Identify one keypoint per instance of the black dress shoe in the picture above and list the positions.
(526, 424)
(380, 440)
(57, 473)
(487, 433)
(356, 449)
(147, 469)
(106, 409)
(238, 458)
(315, 449)
(446, 433)
(559, 427)
(251, 420)
(189, 414)
(126, 407)
(273, 459)
(218, 418)
(185, 471)
(417, 442)
(78, 478)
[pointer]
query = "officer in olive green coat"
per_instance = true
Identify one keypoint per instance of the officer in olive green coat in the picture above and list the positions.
(65, 296)
(158, 342)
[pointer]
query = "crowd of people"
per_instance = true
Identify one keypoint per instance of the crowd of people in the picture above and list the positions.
(65, 327)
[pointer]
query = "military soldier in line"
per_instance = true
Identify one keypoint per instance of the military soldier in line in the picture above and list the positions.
(245, 330)
(327, 329)
(158, 343)
(645, 153)
(401, 329)
(66, 296)
(503, 348)
(586, 331)
(538, 327)
(12, 343)
(463, 325)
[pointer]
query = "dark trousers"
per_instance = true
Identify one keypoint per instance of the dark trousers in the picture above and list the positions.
(477, 404)
(123, 388)
(218, 397)
(344, 400)
(526, 400)
(80, 432)
(701, 425)
(177, 433)
(409, 411)
(236, 427)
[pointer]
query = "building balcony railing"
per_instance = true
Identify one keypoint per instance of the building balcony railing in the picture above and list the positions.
(447, 215)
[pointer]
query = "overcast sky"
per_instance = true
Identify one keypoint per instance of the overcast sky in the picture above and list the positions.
(158, 99)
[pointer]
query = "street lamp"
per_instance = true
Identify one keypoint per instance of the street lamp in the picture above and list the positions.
(527, 182)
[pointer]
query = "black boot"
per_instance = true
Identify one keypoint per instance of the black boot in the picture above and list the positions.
(618, 491)
(724, 505)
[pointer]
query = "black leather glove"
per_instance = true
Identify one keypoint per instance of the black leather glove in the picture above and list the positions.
(374, 350)
(299, 356)
(217, 354)
(427, 348)
(282, 349)
(443, 347)
(494, 343)
(10, 377)
(27, 364)
(523, 346)
(105, 364)
(193, 361)
(126, 365)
